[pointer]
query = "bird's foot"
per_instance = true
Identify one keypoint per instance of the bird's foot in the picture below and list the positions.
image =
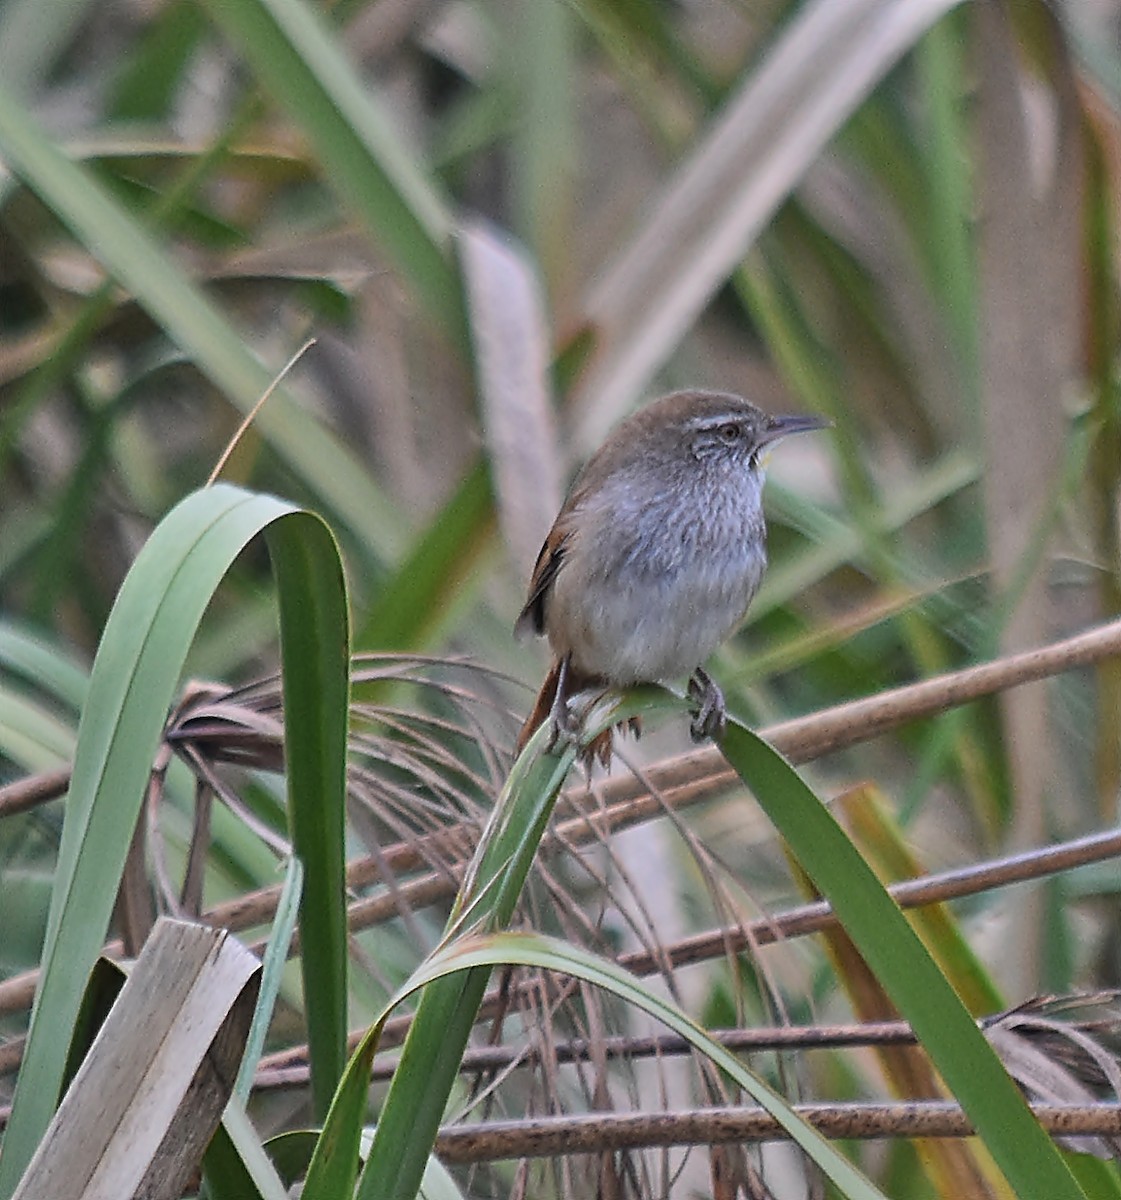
(565, 728)
(566, 720)
(709, 716)
(569, 730)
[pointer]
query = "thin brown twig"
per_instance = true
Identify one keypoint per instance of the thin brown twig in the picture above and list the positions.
(910, 893)
(755, 1040)
(688, 778)
(808, 918)
(594, 1133)
(600, 1132)
(16, 993)
(804, 739)
(33, 790)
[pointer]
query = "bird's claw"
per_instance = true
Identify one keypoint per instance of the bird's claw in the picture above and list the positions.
(564, 729)
(709, 715)
(567, 728)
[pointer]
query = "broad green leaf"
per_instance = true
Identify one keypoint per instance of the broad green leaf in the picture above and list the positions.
(410, 1117)
(134, 680)
(894, 952)
(430, 1058)
(316, 677)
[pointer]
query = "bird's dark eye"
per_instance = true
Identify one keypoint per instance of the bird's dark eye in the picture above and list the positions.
(729, 434)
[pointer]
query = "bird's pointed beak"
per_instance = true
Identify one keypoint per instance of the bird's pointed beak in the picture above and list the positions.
(780, 427)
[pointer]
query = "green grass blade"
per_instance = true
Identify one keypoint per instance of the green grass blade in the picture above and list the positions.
(316, 678)
(333, 1169)
(32, 735)
(943, 231)
(836, 542)
(134, 680)
(50, 668)
(272, 969)
(430, 1059)
(1100, 1180)
(132, 684)
(895, 954)
(544, 160)
(237, 1165)
(438, 576)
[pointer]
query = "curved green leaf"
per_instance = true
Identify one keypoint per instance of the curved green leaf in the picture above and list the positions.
(133, 683)
(484, 951)
(316, 678)
(893, 951)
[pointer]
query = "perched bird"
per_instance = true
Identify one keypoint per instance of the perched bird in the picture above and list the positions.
(655, 556)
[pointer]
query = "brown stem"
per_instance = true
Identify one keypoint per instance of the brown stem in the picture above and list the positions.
(808, 918)
(598, 1132)
(497, 1058)
(32, 791)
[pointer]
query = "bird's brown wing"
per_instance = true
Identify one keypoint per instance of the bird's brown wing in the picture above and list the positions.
(549, 562)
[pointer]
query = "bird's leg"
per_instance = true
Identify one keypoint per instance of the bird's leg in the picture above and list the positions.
(552, 706)
(563, 725)
(568, 726)
(708, 715)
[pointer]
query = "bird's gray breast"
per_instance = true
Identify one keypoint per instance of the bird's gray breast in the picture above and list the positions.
(667, 578)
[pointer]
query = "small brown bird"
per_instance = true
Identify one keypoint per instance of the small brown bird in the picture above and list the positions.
(655, 556)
